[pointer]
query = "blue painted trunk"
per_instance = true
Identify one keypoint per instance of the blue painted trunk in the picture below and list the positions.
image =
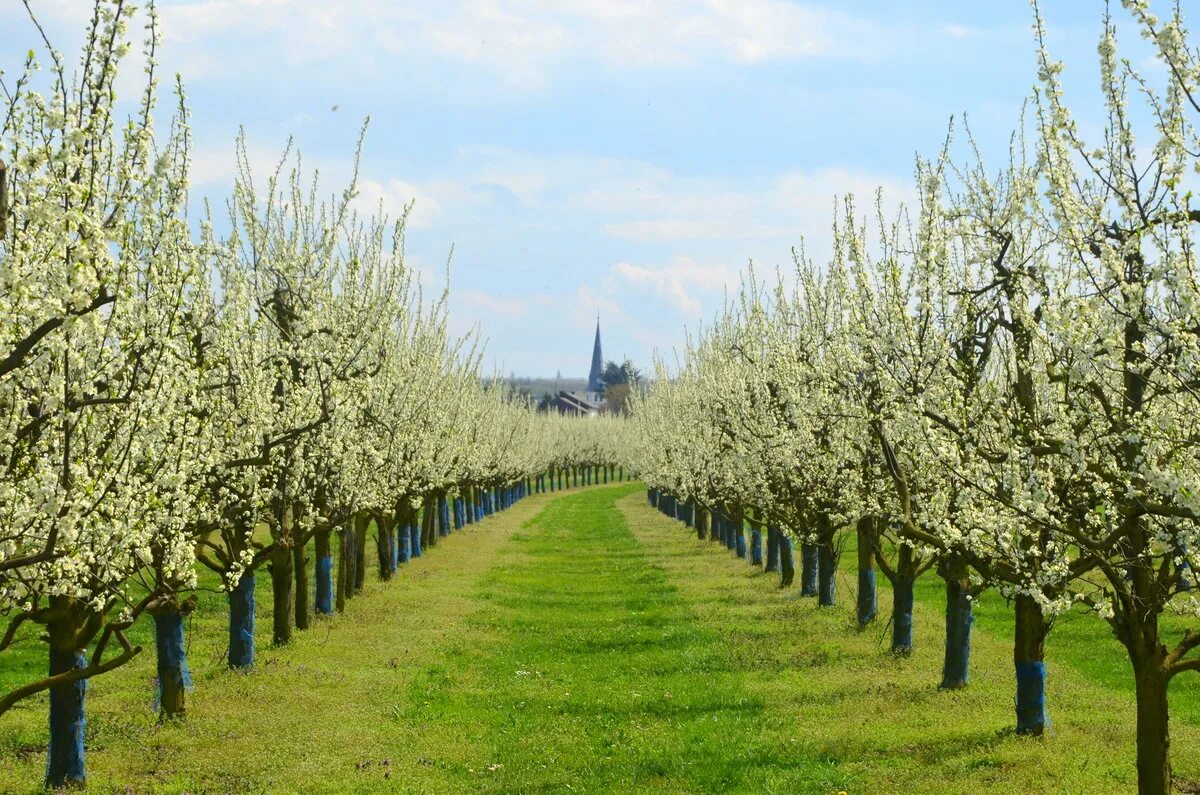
(404, 537)
(1031, 696)
(902, 615)
(756, 548)
(809, 569)
(241, 623)
(65, 763)
(772, 549)
(414, 550)
(867, 600)
(393, 545)
(459, 518)
(826, 574)
(739, 544)
(958, 636)
(443, 517)
(172, 660)
(323, 603)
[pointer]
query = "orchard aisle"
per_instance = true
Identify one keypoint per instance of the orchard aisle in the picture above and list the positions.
(583, 642)
(588, 672)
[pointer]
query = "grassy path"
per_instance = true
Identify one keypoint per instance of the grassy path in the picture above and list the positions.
(600, 677)
(581, 642)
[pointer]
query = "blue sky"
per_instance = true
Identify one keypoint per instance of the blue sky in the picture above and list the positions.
(626, 157)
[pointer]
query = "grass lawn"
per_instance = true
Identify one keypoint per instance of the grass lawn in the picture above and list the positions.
(584, 643)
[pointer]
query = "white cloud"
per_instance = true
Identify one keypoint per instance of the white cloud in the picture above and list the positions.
(394, 196)
(669, 230)
(680, 280)
(596, 303)
(505, 307)
(522, 43)
(777, 212)
(956, 31)
(433, 201)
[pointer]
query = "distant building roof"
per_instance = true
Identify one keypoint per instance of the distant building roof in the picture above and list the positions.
(574, 403)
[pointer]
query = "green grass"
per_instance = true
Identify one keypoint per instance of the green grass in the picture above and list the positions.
(582, 642)
(885, 718)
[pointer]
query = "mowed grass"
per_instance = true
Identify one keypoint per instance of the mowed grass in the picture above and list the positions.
(583, 642)
(882, 721)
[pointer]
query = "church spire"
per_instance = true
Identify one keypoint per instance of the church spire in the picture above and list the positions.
(595, 377)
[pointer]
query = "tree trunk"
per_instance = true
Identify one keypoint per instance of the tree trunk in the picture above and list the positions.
(345, 569)
(1153, 736)
(867, 601)
(902, 602)
(958, 623)
(241, 622)
(772, 549)
(404, 524)
(65, 766)
(787, 562)
(174, 679)
(361, 522)
(323, 603)
(809, 569)
(428, 525)
(827, 574)
(414, 536)
(701, 523)
(384, 542)
(281, 595)
(1029, 653)
(300, 564)
(65, 755)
